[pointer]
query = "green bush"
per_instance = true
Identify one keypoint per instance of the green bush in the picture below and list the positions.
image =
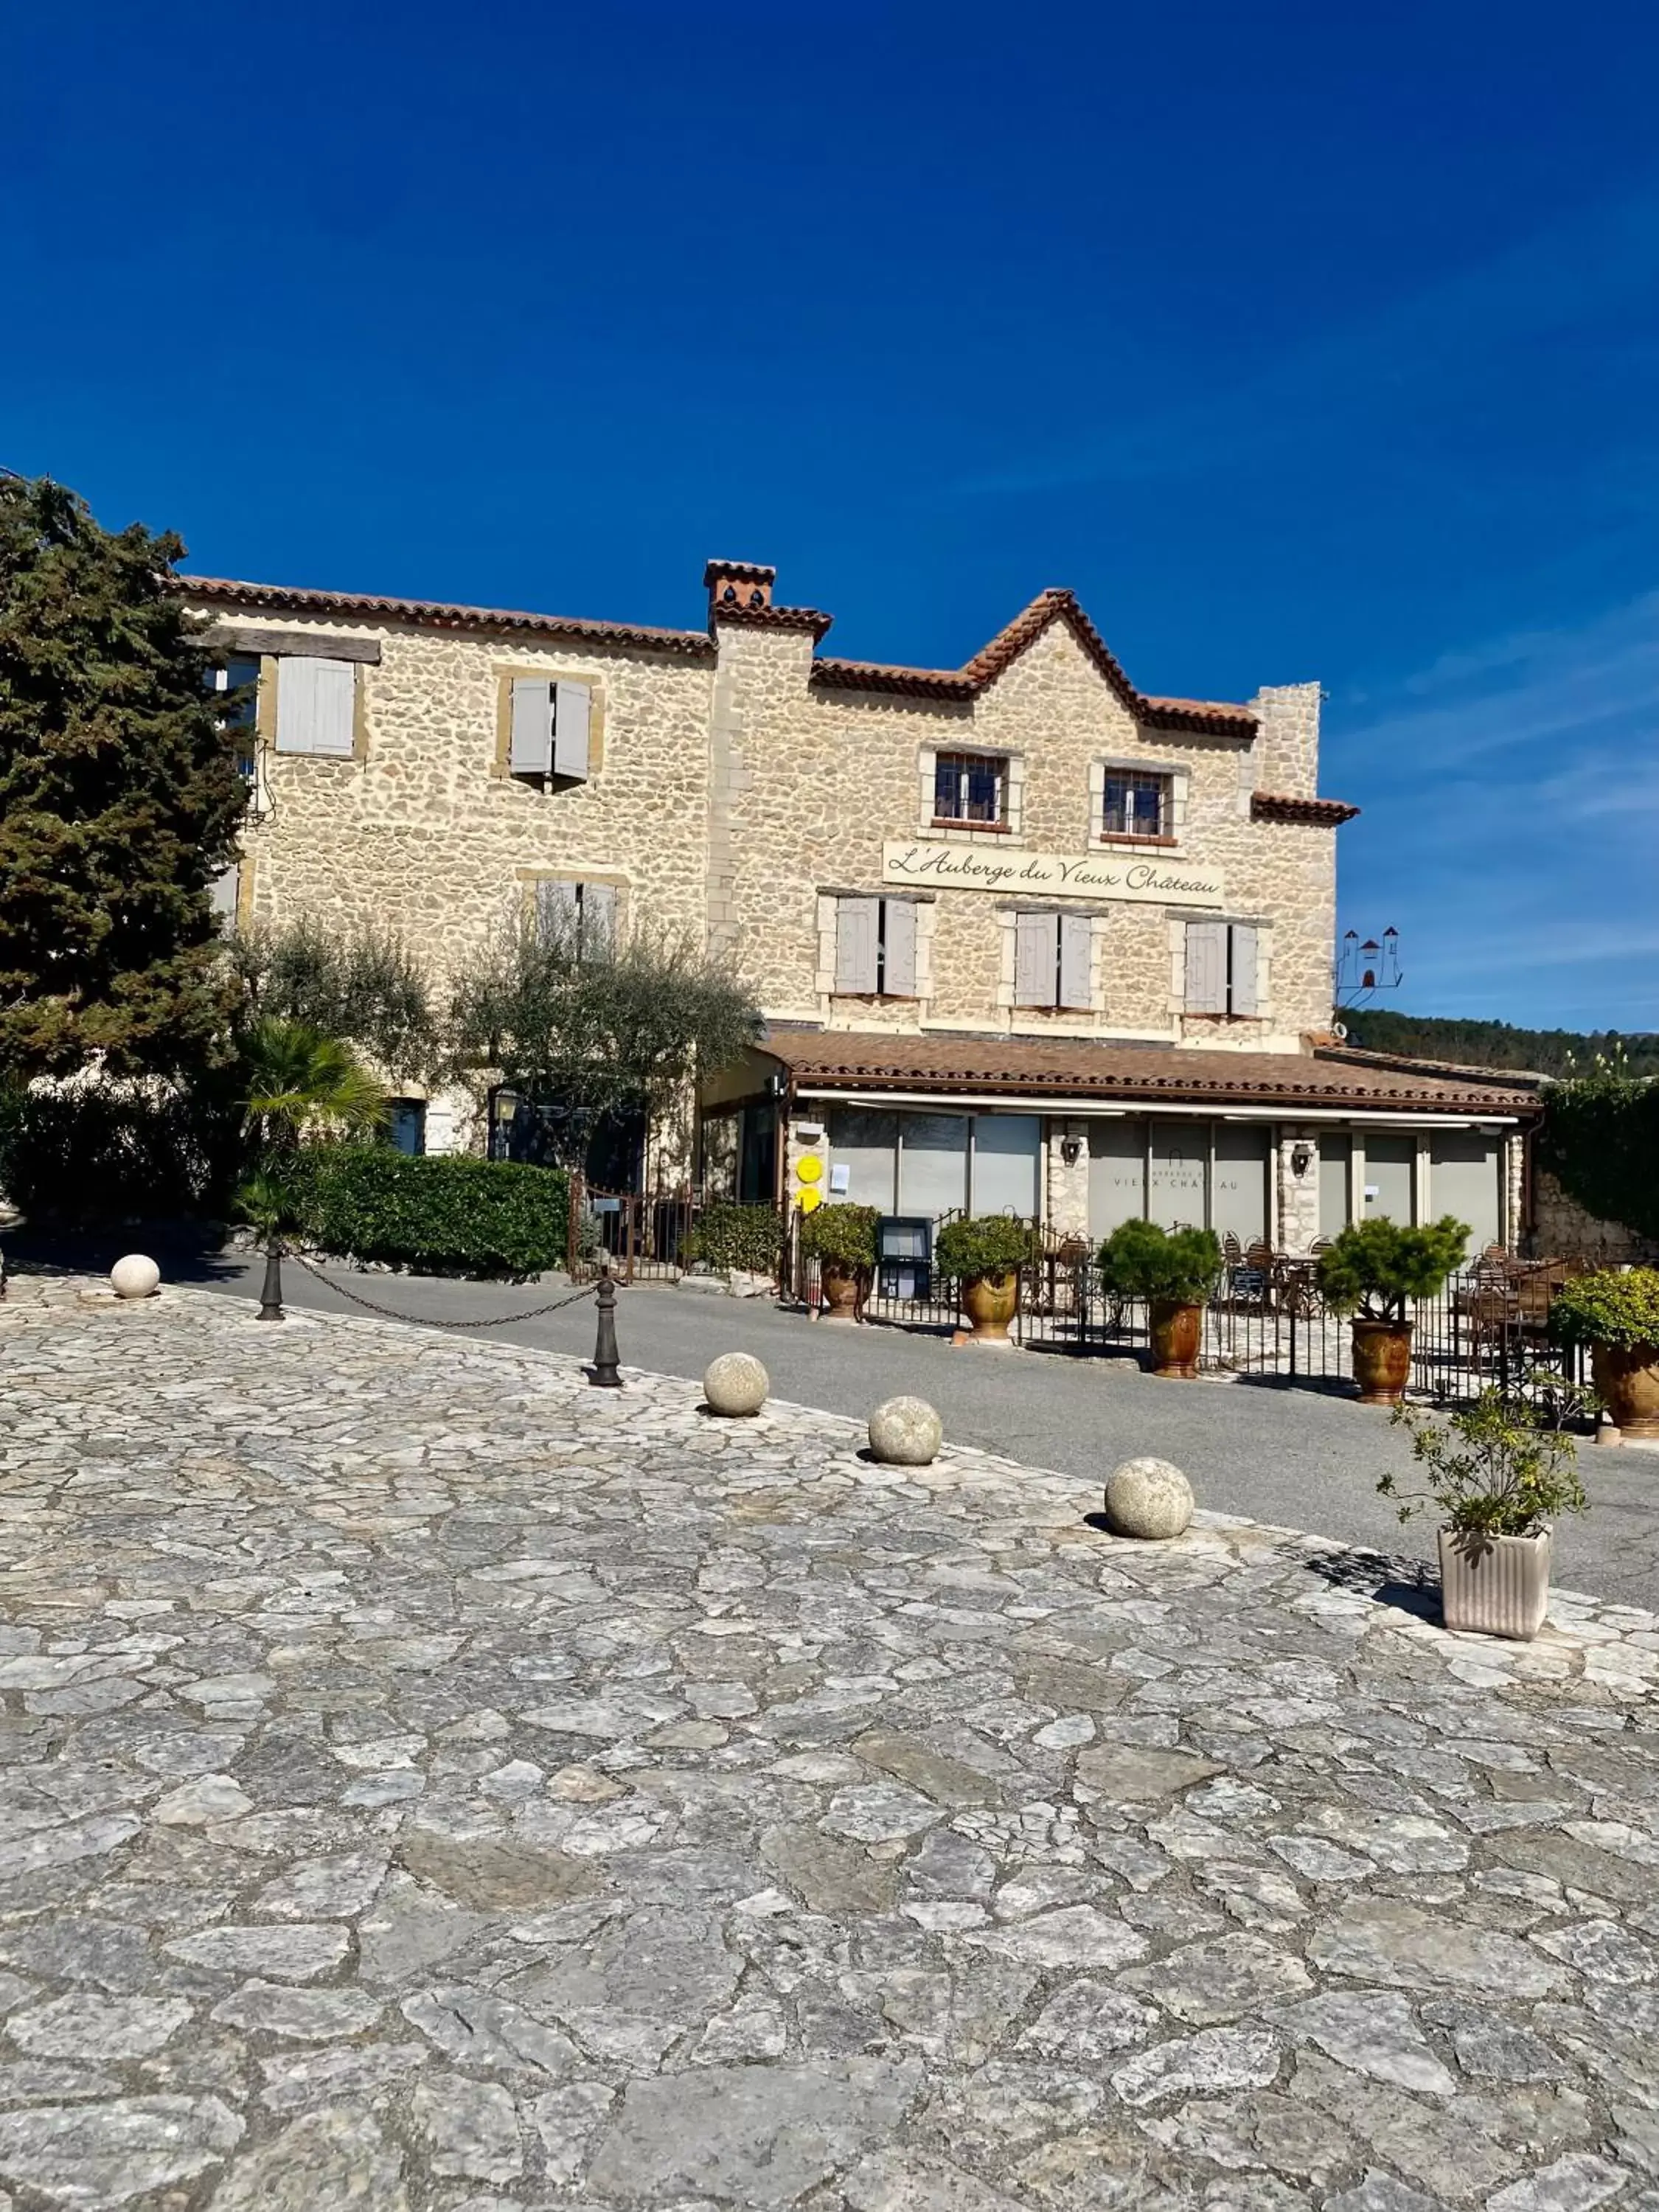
(1600, 1139)
(1178, 1267)
(729, 1236)
(1611, 1307)
(1503, 1466)
(106, 1154)
(989, 1244)
(1373, 1267)
(445, 1216)
(843, 1235)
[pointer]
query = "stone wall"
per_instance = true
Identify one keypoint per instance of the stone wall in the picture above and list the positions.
(1562, 1230)
(811, 781)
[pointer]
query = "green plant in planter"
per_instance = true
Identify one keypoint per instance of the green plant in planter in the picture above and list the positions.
(842, 1236)
(1503, 1467)
(988, 1245)
(1611, 1307)
(1373, 1267)
(1167, 1266)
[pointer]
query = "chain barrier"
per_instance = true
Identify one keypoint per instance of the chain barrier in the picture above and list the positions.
(430, 1321)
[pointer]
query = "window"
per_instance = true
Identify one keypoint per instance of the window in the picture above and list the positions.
(582, 918)
(1051, 960)
(238, 679)
(224, 893)
(406, 1125)
(550, 728)
(316, 706)
(1137, 804)
(971, 788)
(1222, 960)
(876, 947)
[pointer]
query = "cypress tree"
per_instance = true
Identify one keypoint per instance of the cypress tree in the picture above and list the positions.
(119, 799)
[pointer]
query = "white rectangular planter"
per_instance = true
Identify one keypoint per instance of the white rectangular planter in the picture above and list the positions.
(1497, 1585)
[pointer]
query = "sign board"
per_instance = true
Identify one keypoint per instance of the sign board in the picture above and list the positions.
(1152, 880)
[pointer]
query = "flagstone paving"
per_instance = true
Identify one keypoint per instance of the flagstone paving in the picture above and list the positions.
(433, 1784)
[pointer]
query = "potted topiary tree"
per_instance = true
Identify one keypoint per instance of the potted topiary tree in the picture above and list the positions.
(843, 1239)
(1501, 1471)
(1616, 1312)
(1174, 1271)
(985, 1254)
(1370, 1271)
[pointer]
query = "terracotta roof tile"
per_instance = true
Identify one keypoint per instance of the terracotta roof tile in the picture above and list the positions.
(1285, 806)
(773, 618)
(1057, 1068)
(436, 614)
(989, 662)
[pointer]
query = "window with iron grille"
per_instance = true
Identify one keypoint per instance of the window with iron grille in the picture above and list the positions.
(969, 787)
(1137, 804)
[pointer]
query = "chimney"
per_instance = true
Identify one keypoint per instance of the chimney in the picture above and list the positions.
(738, 586)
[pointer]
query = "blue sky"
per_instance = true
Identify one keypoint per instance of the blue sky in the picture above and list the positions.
(1300, 341)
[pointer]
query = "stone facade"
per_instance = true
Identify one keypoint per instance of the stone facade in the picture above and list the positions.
(739, 784)
(1561, 1229)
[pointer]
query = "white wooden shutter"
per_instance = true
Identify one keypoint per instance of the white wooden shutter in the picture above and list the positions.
(558, 913)
(573, 708)
(599, 921)
(529, 750)
(856, 923)
(1244, 993)
(223, 892)
(898, 971)
(1034, 958)
(315, 700)
(1207, 967)
(1076, 940)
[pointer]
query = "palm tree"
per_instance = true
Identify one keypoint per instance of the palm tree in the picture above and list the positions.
(298, 1083)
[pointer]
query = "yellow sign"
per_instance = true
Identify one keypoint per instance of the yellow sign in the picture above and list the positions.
(810, 1200)
(1127, 874)
(810, 1168)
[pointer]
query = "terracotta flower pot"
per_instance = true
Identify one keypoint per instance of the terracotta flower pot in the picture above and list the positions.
(1381, 1360)
(989, 1301)
(1626, 1379)
(1495, 1585)
(840, 1286)
(1175, 1333)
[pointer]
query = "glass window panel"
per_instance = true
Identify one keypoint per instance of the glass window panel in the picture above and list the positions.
(933, 1176)
(1335, 1166)
(1239, 1191)
(1177, 1169)
(864, 1141)
(1117, 1175)
(1007, 1148)
(1390, 1162)
(1463, 1181)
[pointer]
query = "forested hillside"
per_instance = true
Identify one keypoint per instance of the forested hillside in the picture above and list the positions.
(1496, 1044)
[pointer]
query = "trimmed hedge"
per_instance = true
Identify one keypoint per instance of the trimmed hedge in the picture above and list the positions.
(105, 1154)
(748, 1237)
(445, 1216)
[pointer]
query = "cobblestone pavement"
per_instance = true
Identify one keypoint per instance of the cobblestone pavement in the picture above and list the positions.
(434, 1783)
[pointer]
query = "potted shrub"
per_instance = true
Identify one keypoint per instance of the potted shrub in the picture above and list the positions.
(1370, 1271)
(1616, 1312)
(985, 1254)
(1500, 1472)
(1174, 1271)
(843, 1239)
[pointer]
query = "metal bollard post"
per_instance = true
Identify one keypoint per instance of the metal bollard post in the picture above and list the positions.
(602, 1373)
(270, 1294)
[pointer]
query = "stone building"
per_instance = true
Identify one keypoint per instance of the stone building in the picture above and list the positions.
(1025, 936)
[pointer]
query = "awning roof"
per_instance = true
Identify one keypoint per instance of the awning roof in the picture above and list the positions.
(1055, 1069)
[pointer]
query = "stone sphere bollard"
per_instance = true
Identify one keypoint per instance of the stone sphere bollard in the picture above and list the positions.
(1148, 1498)
(135, 1277)
(905, 1432)
(735, 1384)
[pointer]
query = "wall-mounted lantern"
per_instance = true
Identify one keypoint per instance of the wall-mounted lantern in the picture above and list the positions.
(1301, 1161)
